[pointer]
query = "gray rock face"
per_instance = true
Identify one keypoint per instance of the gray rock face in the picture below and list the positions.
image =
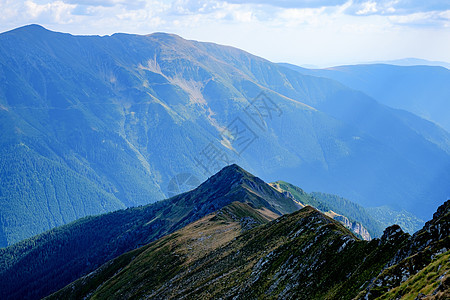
(417, 251)
(354, 227)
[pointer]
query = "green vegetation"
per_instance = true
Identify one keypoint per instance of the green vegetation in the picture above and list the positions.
(226, 238)
(386, 216)
(425, 282)
(158, 261)
(49, 183)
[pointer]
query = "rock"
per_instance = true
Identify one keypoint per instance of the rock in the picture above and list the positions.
(392, 233)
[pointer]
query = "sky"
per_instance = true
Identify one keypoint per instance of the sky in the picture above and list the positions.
(308, 33)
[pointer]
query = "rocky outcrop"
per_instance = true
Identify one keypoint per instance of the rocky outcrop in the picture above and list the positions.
(355, 227)
(418, 251)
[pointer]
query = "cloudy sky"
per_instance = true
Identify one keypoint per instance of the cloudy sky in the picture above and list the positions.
(309, 32)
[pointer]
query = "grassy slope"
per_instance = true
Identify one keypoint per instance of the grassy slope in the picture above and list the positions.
(425, 282)
(159, 260)
(293, 255)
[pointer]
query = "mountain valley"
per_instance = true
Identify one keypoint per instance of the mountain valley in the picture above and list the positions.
(93, 124)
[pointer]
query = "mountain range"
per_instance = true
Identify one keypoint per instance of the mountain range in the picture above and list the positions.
(93, 124)
(411, 61)
(420, 89)
(364, 222)
(131, 252)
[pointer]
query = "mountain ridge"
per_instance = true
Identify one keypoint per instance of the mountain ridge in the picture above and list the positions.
(89, 112)
(300, 255)
(61, 255)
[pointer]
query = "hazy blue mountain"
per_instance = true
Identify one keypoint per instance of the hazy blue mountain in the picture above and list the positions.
(387, 217)
(420, 89)
(374, 219)
(90, 124)
(411, 61)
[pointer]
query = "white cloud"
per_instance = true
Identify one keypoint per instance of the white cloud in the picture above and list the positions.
(430, 18)
(135, 4)
(306, 16)
(292, 3)
(55, 12)
(316, 32)
(404, 6)
(10, 10)
(369, 7)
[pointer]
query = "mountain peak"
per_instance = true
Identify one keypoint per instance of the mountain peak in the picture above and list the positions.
(164, 35)
(234, 169)
(30, 28)
(229, 175)
(233, 183)
(32, 32)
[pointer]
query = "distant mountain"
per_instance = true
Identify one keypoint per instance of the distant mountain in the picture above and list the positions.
(413, 62)
(351, 215)
(41, 265)
(366, 222)
(387, 217)
(421, 89)
(303, 255)
(92, 124)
